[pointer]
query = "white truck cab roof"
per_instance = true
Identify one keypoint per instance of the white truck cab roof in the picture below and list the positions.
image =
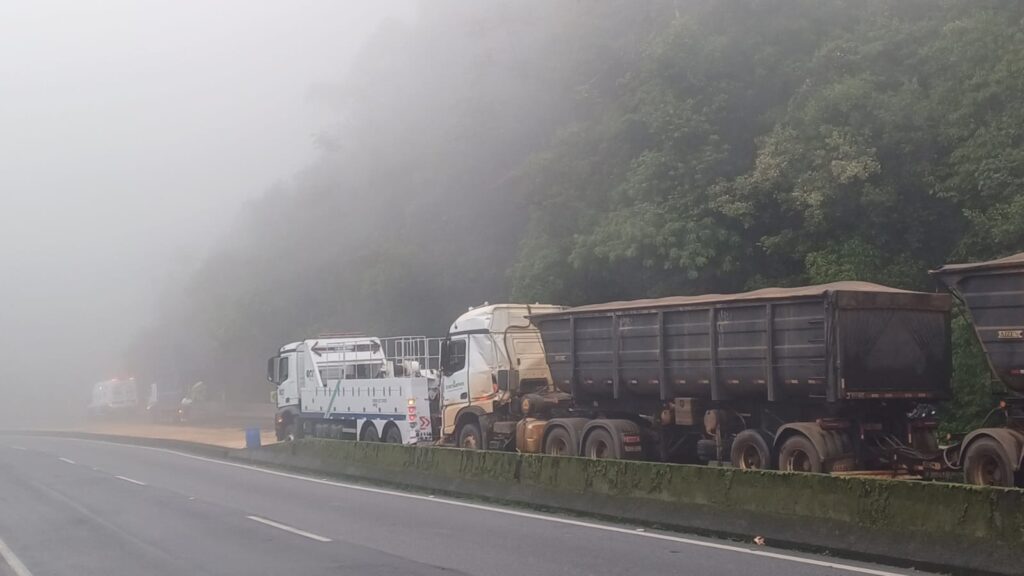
(498, 317)
(290, 347)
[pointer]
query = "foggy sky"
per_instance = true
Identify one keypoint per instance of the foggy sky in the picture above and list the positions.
(131, 134)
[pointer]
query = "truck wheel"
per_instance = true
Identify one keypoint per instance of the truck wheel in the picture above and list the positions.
(470, 437)
(289, 432)
(392, 435)
(798, 454)
(559, 443)
(750, 451)
(600, 444)
(370, 433)
(986, 465)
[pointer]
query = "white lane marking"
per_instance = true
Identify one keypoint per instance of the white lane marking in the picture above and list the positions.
(22, 448)
(127, 479)
(715, 545)
(68, 460)
(287, 528)
(12, 560)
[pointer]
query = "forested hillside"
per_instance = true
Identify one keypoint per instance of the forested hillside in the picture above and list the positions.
(574, 152)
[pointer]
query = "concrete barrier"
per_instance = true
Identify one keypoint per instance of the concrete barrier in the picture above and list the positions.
(927, 525)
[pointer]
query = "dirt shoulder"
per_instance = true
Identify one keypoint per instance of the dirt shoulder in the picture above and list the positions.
(228, 437)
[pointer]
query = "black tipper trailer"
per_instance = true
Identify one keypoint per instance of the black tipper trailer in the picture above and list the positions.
(837, 363)
(992, 293)
(832, 342)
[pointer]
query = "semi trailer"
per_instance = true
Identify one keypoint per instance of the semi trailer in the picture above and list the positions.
(840, 377)
(816, 379)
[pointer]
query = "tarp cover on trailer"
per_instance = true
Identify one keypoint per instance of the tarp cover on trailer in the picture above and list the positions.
(1013, 261)
(762, 294)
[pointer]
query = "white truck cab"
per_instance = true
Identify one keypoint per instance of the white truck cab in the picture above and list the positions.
(492, 356)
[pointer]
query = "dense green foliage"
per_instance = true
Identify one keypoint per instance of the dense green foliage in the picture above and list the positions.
(577, 152)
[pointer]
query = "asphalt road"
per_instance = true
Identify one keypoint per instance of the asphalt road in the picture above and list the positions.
(80, 507)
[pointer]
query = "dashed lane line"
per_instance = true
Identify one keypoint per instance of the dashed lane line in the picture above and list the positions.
(12, 561)
(288, 528)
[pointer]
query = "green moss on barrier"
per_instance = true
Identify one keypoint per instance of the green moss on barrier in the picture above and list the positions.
(936, 508)
(984, 513)
(445, 462)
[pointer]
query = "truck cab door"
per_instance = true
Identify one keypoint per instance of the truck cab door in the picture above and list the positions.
(287, 383)
(454, 382)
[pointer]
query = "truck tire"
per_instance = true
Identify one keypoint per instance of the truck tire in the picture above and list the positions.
(600, 444)
(985, 464)
(470, 437)
(370, 433)
(560, 443)
(750, 451)
(798, 454)
(392, 435)
(289, 432)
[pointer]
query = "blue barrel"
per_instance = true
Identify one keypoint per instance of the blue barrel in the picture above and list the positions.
(252, 438)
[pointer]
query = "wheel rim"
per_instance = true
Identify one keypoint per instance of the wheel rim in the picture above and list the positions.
(558, 447)
(469, 441)
(799, 461)
(987, 471)
(750, 458)
(599, 449)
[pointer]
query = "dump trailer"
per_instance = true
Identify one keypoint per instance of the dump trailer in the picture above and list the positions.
(827, 378)
(992, 294)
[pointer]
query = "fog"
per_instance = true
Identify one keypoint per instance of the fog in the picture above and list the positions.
(189, 186)
(131, 134)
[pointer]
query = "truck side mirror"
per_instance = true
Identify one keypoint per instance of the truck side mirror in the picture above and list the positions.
(271, 366)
